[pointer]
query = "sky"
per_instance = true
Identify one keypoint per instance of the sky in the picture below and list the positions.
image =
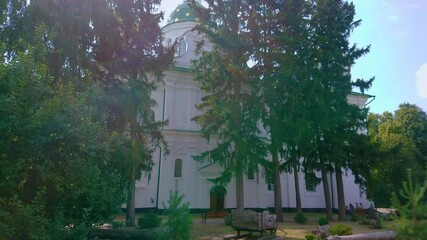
(397, 33)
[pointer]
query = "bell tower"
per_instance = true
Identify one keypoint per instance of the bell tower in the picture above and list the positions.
(179, 28)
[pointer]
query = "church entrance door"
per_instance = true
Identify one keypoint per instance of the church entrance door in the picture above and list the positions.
(217, 206)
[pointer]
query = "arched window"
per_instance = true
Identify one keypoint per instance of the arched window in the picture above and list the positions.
(182, 47)
(178, 168)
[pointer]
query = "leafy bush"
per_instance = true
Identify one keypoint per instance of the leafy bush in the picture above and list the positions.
(149, 220)
(353, 217)
(340, 230)
(410, 221)
(179, 219)
(117, 224)
(310, 237)
(300, 218)
(228, 220)
(323, 221)
(68, 179)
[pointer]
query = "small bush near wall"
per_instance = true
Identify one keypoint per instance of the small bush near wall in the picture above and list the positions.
(117, 224)
(323, 221)
(340, 230)
(227, 220)
(300, 218)
(149, 220)
(353, 217)
(179, 219)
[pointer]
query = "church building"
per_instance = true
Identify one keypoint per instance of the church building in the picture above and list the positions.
(177, 171)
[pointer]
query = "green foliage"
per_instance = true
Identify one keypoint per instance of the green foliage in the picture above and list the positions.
(400, 141)
(323, 221)
(410, 223)
(179, 218)
(125, 27)
(149, 220)
(293, 88)
(353, 217)
(228, 220)
(56, 169)
(95, 57)
(117, 224)
(340, 230)
(310, 237)
(229, 105)
(300, 218)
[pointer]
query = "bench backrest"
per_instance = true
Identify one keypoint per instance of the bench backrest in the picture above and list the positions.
(246, 219)
(269, 221)
(251, 220)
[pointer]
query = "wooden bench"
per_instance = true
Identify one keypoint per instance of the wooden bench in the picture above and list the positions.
(213, 214)
(251, 221)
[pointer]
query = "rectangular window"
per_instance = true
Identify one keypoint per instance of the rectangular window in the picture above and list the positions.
(269, 179)
(178, 168)
(310, 187)
(311, 181)
(251, 173)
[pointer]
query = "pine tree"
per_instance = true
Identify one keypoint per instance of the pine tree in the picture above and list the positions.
(333, 119)
(229, 108)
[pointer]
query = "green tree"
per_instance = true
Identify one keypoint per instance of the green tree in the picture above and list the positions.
(55, 158)
(116, 44)
(278, 34)
(229, 108)
(332, 55)
(398, 139)
(301, 59)
(179, 218)
(411, 205)
(412, 121)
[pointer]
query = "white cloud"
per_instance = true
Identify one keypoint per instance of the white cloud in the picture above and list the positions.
(421, 84)
(393, 18)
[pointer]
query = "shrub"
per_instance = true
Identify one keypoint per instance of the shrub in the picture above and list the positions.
(300, 218)
(179, 219)
(340, 230)
(149, 220)
(227, 220)
(323, 221)
(353, 217)
(310, 237)
(117, 224)
(409, 222)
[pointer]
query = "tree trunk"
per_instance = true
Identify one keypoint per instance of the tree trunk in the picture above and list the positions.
(340, 193)
(277, 188)
(130, 208)
(328, 201)
(375, 235)
(297, 190)
(240, 200)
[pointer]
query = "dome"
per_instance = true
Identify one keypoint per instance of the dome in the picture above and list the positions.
(182, 13)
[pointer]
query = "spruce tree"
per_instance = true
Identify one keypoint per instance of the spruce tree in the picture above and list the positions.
(229, 109)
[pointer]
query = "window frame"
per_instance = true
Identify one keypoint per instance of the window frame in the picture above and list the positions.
(178, 166)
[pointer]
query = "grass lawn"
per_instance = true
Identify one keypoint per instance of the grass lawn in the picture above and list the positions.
(215, 228)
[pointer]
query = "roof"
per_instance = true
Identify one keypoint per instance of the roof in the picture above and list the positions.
(182, 13)
(361, 94)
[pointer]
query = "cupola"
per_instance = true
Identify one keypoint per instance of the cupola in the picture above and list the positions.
(182, 13)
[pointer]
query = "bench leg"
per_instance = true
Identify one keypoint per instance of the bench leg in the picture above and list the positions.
(204, 216)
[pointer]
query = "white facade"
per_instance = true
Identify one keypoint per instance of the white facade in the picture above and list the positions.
(176, 100)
